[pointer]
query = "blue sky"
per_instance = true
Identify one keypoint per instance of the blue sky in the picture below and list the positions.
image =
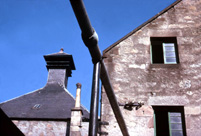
(30, 29)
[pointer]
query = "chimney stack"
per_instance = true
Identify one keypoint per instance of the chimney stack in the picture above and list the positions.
(78, 94)
(60, 66)
(76, 115)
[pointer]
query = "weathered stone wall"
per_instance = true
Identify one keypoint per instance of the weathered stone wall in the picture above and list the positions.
(85, 128)
(134, 78)
(42, 128)
(47, 128)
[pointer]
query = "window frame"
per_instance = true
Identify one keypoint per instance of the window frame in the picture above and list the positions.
(158, 54)
(165, 53)
(161, 111)
(172, 123)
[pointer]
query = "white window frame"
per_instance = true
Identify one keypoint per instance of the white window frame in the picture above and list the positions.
(164, 53)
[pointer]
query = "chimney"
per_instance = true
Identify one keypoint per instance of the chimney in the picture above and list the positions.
(60, 66)
(78, 94)
(76, 115)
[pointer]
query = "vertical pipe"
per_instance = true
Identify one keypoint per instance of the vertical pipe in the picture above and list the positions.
(93, 124)
(91, 41)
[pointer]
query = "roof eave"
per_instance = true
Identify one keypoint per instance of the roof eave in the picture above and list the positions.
(141, 26)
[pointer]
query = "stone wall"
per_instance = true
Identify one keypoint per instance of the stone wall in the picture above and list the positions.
(85, 128)
(134, 78)
(42, 128)
(48, 128)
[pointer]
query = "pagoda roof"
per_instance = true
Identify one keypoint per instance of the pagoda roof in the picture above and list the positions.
(53, 102)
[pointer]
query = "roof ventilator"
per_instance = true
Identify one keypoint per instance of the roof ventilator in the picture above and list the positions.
(36, 106)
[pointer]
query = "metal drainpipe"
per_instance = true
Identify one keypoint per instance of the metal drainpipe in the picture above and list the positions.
(90, 39)
(93, 123)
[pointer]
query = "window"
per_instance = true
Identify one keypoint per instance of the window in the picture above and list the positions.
(169, 121)
(36, 106)
(164, 50)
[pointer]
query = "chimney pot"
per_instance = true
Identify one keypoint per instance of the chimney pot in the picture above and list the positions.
(79, 85)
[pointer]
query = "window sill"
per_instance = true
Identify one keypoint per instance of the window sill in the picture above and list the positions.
(165, 65)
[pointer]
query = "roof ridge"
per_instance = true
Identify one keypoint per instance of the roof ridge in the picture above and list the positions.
(141, 26)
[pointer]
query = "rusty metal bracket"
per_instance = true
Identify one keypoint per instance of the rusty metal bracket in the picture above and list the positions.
(129, 105)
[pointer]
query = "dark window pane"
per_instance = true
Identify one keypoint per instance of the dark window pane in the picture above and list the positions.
(157, 54)
(162, 126)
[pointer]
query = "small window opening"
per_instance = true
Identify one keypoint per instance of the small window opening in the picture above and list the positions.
(164, 50)
(36, 106)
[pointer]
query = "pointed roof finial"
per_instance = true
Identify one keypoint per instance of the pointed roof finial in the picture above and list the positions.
(61, 50)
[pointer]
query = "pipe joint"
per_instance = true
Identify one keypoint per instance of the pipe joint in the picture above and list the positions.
(90, 41)
(94, 35)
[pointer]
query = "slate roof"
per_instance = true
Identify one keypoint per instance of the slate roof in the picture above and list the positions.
(141, 26)
(53, 102)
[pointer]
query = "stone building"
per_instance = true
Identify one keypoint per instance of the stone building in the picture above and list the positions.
(158, 64)
(48, 111)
